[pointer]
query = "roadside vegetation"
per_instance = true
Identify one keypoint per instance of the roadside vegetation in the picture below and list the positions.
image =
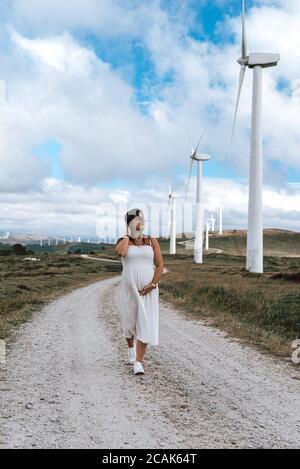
(26, 285)
(262, 310)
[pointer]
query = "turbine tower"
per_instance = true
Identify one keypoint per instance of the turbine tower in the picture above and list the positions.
(256, 61)
(212, 220)
(168, 233)
(207, 224)
(199, 158)
(172, 221)
(220, 220)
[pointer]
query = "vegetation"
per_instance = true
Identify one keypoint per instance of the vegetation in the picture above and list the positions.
(14, 250)
(26, 285)
(263, 310)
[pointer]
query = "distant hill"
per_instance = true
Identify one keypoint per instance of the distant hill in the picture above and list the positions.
(15, 238)
(277, 242)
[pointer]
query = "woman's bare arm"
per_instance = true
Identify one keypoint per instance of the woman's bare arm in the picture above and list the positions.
(158, 260)
(159, 264)
(122, 246)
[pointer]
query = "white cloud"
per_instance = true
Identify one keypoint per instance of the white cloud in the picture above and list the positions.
(59, 89)
(66, 93)
(52, 16)
(61, 208)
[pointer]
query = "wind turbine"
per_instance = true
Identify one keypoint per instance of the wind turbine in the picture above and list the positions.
(199, 158)
(212, 220)
(257, 61)
(172, 221)
(220, 220)
(168, 233)
(207, 224)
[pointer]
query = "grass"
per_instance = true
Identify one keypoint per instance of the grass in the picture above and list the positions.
(262, 309)
(25, 286)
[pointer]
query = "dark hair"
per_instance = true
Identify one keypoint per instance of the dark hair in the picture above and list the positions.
(131, 214)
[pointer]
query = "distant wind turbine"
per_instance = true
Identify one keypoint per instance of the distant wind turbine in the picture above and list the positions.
(207, 223)
(212, 220)
(256, 61)
(199, 158)
(172, 221)
(220, 220)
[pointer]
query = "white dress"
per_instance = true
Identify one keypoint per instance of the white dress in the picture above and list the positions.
(139, 313)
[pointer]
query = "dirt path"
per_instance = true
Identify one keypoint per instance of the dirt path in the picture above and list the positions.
(67, 384)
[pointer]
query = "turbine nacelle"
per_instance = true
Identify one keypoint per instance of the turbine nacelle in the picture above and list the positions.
(195, 156)
(261, 59)
(200, 157)
(171, 196)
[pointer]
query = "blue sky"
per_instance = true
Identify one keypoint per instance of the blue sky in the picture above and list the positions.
(132, 59)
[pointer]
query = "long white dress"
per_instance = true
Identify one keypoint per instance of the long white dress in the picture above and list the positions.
(139, 313)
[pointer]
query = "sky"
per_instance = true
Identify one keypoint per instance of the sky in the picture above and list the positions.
(99, 97)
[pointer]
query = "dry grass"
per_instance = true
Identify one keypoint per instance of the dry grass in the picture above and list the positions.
(25, 286)
(263, 310)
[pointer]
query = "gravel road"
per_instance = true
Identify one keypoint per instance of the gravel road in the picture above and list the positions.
(67, 384)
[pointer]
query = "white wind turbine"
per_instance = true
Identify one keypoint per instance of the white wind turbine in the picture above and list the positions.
(168, 233)
(220, 220)
(172, 221)
(256, 61)
(199, 158)
(207, 224)
(212, 220)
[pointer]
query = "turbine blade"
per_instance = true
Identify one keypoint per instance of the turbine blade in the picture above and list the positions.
(244, 38)
(201, 138)
(241, 81)
(191, 143)
(189, 178)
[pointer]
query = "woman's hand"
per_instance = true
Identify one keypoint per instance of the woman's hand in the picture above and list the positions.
(128, 231)
(147, 289)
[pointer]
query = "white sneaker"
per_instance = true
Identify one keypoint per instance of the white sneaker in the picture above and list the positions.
(131, 355)
(138, 368)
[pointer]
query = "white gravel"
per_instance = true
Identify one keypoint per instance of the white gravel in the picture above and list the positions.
(67, 384)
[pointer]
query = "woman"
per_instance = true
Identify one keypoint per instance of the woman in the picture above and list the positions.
(138, 295)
